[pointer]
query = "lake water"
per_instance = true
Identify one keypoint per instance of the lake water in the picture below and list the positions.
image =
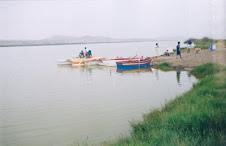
(42, 103)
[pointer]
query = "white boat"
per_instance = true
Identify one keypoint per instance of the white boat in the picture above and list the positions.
(112, 62)
(85, 61)
(64, 62)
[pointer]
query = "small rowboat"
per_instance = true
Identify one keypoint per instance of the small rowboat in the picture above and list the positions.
(112, 62)
(85, 61)
(134, 64)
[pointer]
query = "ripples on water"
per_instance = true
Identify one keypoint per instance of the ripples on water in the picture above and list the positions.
(42, 103)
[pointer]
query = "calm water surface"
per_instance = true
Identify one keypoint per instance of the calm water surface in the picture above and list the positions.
(42, 103)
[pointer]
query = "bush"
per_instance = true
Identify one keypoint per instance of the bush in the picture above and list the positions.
(163, 66)
(207, 69)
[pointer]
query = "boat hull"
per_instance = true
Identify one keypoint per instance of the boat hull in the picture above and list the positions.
(85, 61)
(64, 62)
(92, 62)
(140, 70)
(134, 64)
(112, 62)
(109, 62)
(77, 62)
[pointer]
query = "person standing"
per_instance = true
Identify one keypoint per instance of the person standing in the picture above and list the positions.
(85, 52)
(189, 43)
(156, 50)
(178, 50)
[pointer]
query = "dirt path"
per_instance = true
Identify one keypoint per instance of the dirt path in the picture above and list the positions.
(193, 59)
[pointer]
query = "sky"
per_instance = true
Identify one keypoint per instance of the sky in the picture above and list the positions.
(39, 19)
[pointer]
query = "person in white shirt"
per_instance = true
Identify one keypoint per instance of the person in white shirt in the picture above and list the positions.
(85, 52)
(156, 50)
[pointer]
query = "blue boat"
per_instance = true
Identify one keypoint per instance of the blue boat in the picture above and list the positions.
(134, 64)
(139, 70)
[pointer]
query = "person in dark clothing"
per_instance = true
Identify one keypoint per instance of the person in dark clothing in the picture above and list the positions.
(167, 53)
(178, 50)
(85, 52)
(81, 54)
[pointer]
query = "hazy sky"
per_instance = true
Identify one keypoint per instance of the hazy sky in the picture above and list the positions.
(39, 19)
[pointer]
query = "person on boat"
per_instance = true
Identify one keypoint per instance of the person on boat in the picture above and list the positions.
(156, 49)
(85, 52)
(178, 50)
(89, 53)
(81, 54)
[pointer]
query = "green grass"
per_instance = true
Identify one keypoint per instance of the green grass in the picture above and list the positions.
(198, 117)
(207, 69)
(163, 66)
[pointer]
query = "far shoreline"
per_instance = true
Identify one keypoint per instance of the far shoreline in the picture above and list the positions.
(57, 44)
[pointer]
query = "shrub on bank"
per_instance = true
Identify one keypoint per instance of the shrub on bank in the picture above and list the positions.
(207, 69)
(163, 66)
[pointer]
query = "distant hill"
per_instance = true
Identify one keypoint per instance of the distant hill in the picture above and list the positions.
(62, 40)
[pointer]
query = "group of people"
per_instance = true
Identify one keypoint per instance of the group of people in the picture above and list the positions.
(167, 53)
(88, 54)
(85, 54)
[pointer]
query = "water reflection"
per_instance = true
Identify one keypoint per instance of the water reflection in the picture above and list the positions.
(178, 76)
(134, 70)
(110, 69)
(189, 75)
(157, 74)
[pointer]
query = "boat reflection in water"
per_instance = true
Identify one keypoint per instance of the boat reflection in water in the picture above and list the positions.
(140, 70)
(105, 68)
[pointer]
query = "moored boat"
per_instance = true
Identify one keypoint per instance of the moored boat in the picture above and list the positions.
(64, 62)
(92, 61)
(112, 62)
(77, 62)
(134, 64)
(85, 61)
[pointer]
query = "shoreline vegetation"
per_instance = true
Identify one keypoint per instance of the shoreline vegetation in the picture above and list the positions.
(197, 117)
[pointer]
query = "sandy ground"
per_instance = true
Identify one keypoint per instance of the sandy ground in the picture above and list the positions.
(193, 59)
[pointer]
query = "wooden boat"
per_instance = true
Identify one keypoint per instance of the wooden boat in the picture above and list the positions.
(134, 64)
(112, 62)
(85, 61)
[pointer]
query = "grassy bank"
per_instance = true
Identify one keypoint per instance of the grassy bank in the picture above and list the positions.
(197, 117)
(163, 66)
